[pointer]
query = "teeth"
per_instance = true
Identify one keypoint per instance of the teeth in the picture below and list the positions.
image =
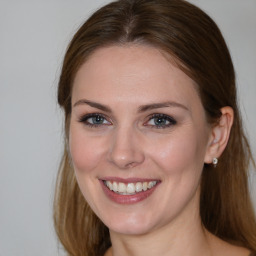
(115, 187)
(130, 188)
(121, 188)
(151, 184)
(138, 187)
(145, 186)
(109, 185)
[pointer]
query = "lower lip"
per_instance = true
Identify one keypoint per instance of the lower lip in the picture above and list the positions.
(127, 199)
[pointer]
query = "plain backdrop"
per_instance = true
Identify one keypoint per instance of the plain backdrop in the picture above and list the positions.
(33, 38)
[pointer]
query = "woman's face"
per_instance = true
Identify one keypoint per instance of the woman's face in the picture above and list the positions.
(138, 139)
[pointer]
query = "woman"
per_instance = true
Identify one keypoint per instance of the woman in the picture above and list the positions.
(156, 159)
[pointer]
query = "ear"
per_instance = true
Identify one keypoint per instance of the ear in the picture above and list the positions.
(219, 135)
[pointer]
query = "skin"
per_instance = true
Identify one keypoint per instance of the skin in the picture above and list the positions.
(129, 144)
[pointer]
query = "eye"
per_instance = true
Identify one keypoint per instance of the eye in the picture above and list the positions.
(94, 120)
(160, 121)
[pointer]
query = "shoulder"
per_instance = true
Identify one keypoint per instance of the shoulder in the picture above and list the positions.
(223, 248)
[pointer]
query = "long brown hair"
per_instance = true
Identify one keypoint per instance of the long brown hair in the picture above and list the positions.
(191, 37)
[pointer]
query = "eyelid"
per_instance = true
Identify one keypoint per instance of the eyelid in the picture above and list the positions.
(83, 119)
(170, 119)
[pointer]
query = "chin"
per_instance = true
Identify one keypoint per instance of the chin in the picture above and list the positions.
(133, 225)
(134, 230)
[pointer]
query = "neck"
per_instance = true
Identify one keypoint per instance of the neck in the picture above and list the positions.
(184, 236)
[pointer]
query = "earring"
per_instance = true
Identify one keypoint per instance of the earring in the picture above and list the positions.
(215, 162)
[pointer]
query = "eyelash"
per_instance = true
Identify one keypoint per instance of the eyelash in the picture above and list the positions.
(84, 119)
(170, 119)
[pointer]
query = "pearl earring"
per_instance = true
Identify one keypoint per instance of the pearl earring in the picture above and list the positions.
(215, 162)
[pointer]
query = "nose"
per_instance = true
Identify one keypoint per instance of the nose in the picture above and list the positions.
(125, 149)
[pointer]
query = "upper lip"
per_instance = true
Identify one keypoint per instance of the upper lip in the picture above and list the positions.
(128, 180)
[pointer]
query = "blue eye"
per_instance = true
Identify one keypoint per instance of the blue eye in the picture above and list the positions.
(160, 121)
(94, 120)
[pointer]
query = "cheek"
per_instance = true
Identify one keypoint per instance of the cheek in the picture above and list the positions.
(82, 149)
(180, 153)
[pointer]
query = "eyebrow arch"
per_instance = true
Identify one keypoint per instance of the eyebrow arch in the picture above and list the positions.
(93, 104)
(142, 108)
(152, 106)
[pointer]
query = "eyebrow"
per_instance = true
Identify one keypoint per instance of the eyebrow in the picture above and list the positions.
(153, 106)
(93, 104)
(141, 109)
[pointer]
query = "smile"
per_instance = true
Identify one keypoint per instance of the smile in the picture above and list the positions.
(129, 188)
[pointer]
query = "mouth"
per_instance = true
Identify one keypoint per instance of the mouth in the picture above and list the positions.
(128, 191)
(131, 188)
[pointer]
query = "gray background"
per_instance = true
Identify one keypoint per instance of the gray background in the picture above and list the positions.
(33, 38)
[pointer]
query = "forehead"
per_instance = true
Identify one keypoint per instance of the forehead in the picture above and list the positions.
(132, 73)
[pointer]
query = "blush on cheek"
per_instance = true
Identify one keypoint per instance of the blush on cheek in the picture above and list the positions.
(83, 160)
(83, 154)
(178, 154)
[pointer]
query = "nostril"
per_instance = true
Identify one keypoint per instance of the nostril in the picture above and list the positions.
(124, 150)
(126, 160)
(130, 165)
